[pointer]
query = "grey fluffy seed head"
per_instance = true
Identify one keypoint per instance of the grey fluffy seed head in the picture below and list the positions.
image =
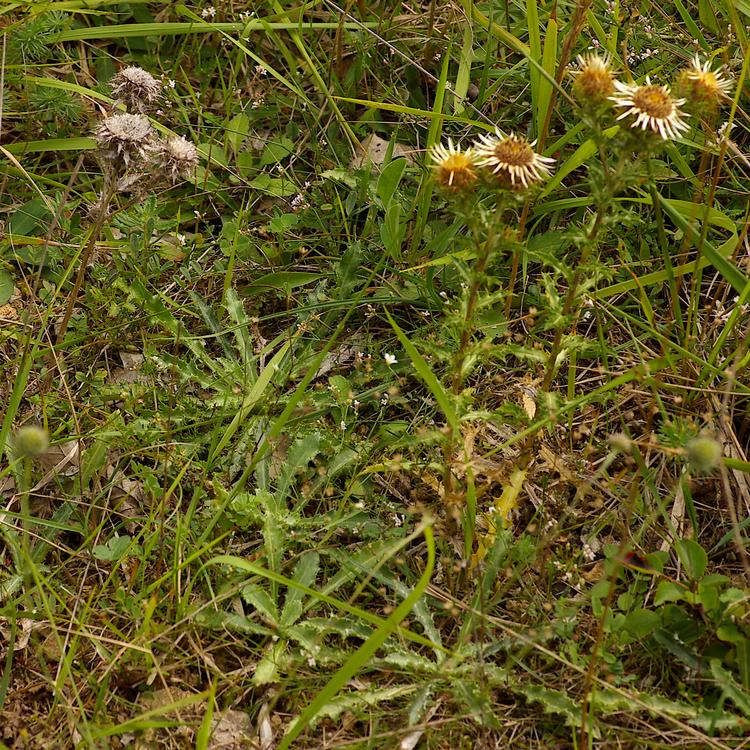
(176, 157)
(123, 139)
(137, 89)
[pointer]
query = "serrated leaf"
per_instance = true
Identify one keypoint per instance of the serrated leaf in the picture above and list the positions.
(260, 600)
(731, 689)
(305, 572)
(267, 669)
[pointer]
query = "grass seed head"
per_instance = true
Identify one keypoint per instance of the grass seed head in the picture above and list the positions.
(137, 89)
(512, 160)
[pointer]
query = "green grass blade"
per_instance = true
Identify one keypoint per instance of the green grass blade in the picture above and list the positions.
(463, 76)
(428, 376)
(545, 87)
(423, 201)
(727, 269)
(256, 393)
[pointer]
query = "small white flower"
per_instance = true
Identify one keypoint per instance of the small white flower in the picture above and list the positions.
(208, 12)
(390, 359)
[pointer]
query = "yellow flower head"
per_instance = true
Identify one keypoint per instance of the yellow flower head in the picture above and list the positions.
(512, 160)
(650, 107)
(455, 170)
(703, 88)
(594, 80)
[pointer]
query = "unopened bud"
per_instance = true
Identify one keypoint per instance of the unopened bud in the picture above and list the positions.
(31, 441)
(703, 453)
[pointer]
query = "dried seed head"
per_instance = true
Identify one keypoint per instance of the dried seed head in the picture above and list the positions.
(123, 139)
(136, 89)
(176, 157)
(620, 442)
(31, 441)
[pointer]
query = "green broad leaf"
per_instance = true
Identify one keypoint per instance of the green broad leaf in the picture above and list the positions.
(668, 591)
(31, 219)
(237, 130)
(693, 557)
(642, 622)
(95, 457)
(277, 187)
(277, 151)
(341, 388)
(389, 180)
(282, 223)
(6, 287)
(730, 633)
(115, 548)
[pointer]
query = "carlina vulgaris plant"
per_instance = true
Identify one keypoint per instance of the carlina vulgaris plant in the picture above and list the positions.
(508, 166)
(649, 115)
(133, 159)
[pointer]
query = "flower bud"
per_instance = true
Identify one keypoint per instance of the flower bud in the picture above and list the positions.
(703, 453)
(31, 441)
